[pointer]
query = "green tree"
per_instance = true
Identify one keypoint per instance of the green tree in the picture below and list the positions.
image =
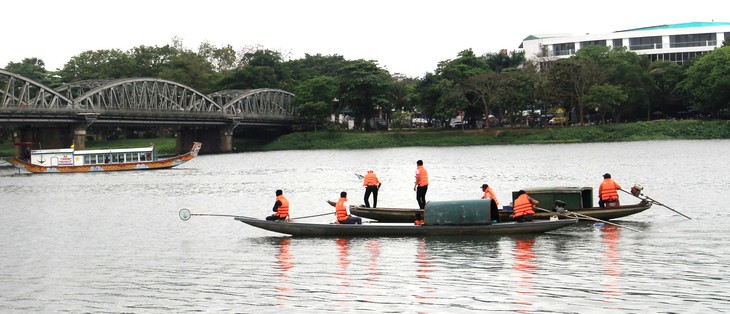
(363, 86)
(318, 89)
(401, 119)
(190, 69)
(99, 64)
(606, 98)
(458, 96)
(501, 60)
(222, 59)
(32, 68)
(666, 75)
(485, 88)
(570, 79)
(516, 92)
(148, 61)
(707, 84)
(314, 113)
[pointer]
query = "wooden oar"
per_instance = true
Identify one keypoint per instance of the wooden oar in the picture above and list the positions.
(330, 213)
(655, 202)
(585, 217)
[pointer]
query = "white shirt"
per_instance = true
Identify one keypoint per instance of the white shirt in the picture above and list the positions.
(347, 207)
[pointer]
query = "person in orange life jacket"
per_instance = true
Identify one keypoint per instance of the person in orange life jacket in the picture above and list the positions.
(421, 186)
(493, 205)
(607, 191)
(488, 193)
(523, 210)
(342, 211)
(372, 185)
(281, 207)
(419, 219)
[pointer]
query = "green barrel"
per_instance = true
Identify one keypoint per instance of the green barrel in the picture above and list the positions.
(460, 212)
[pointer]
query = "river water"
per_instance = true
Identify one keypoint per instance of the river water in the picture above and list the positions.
(113, 242)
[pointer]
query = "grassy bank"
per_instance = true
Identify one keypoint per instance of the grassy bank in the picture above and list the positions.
(652, 130)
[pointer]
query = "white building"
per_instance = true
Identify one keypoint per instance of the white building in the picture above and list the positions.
(675, 42)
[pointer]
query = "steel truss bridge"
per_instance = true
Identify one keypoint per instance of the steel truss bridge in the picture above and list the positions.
(139, 102)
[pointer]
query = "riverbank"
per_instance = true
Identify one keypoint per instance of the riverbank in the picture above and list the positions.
(639, 131)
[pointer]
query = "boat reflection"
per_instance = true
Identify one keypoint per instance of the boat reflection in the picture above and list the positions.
(343, 260)
(284, 264)
(612, 262)
(524, 264)
(373, 247)
(423, 261)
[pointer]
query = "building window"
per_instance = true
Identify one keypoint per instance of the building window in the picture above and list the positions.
(692, 40)
(618, 43)
(564, 49)
(584, 44)
(644, 43)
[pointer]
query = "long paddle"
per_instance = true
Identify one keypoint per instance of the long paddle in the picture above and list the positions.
(185, 215)
(655, 202)
(585, 217)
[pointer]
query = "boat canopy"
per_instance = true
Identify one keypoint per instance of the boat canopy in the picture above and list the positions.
(573, 197)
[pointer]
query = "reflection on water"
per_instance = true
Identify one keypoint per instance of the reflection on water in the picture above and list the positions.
(373, 247)
(524, 264)
(77, 243)
(612, 262)
(423, 260)
(284, 258)
(343, 260)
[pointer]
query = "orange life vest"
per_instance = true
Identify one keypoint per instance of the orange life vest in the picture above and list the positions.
(422, 176)
(370, 179)
(490, 193)
(283, 210)
(608, 190)
(523, 206)
(340, 209)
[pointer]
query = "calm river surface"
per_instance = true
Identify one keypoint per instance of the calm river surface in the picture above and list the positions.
(113, 242)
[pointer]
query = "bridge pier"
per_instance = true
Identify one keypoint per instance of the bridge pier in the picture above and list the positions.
(215, 140)
(79, 139)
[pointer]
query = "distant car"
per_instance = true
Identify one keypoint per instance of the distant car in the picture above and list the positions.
(558, 120)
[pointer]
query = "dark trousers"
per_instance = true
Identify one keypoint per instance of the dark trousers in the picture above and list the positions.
(374, 190)
(524, 218)
(274, 217)
(421, 196)
(352, 220)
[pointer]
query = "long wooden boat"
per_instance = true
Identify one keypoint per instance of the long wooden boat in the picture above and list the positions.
(403, 230)
(384, 214)
(577, 200)
(67, 160)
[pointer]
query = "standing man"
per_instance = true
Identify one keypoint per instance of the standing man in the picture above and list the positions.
(372, 185)
(523, 210)
(421, 186)
(281, 207)
(342, 211)
(488, 193)
(607, 192)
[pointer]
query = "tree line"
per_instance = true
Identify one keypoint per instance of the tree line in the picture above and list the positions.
(597, 85)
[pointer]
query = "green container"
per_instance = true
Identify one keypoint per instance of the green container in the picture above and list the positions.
(461, 212)
(574, 197)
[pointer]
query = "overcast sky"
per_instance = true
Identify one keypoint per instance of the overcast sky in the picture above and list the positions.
(408, 37)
